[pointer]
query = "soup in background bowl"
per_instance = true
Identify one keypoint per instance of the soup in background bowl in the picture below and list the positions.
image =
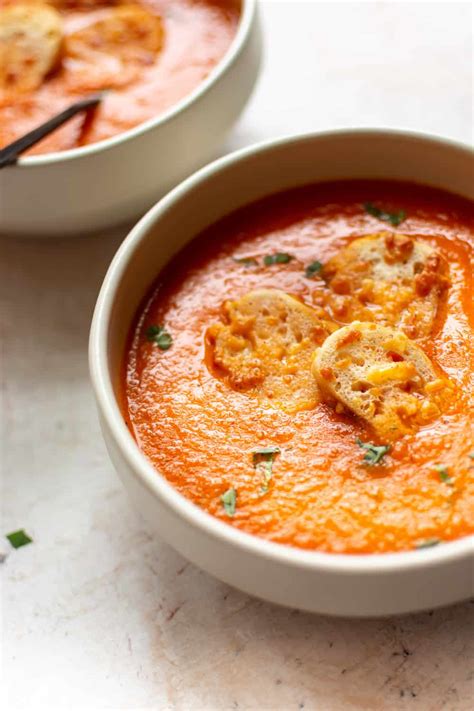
(145, 54)
(282, 360)
(172, 92)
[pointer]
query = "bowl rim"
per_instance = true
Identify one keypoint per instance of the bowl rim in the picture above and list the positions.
(461, 549)
(246, 21)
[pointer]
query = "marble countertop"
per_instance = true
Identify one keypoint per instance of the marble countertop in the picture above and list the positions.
(98, 615)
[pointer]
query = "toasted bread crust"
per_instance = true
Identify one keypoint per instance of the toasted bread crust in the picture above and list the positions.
(265, 347)
(383, 377)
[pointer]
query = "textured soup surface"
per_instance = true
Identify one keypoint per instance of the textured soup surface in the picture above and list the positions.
(196, 35)
(200, 432)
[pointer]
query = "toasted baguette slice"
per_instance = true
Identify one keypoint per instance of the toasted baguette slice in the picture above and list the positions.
(265, 347)
(127, 32)
(382, 376)
(389, 278)
(30, 46)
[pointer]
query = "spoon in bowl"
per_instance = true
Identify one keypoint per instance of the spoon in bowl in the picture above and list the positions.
(10, 154)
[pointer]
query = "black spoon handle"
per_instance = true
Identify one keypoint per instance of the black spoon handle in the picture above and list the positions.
(9, 155)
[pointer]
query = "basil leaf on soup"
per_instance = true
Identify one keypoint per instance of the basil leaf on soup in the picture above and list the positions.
(263, 459)
(278, 258)
(444, 474)
(313, 268)
(394, 218)
(229, 501)
(159, 335)
(246, 261)
(373, 453)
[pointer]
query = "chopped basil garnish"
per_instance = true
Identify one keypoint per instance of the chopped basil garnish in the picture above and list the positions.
(395, 218)
(444, 474)
(278, 258)
(246, 261)
(160, 336)
(264, 452)
(374, 453)
(268, 260)
(263, 459)
(471, 455)
(428, 543)
(313, 268)
(229, 499)
(19, 538)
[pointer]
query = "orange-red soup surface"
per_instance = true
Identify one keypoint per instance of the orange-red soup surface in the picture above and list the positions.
(143, 76)
(319, 494)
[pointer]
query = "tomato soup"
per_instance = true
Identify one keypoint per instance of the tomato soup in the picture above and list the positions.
(319, 477)
(145, 66)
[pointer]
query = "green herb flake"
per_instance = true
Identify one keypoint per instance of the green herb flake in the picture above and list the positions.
(395, 218)
(428, 543)
(471, 455)
(246, 261)
(444, 474)
(160, 336)
(373, 453)
(270, 451)
(263, 459)
(19, 538)
(278, 258)
(229, 501)
(313, 268)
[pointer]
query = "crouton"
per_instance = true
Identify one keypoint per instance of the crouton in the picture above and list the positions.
(389, 278)
(389, 381)
(129, 33)
(265, 346)
(30, 46)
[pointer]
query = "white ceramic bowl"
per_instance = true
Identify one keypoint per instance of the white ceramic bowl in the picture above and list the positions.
(352, 585)
(106, 183)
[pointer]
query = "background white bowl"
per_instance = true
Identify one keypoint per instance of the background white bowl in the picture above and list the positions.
(109, 182)
(351, 585)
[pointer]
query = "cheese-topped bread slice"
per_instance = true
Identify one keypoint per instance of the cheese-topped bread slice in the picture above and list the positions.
(389, 278)
(382, 376)
(30, 45)
(129, 33)
(265, 346)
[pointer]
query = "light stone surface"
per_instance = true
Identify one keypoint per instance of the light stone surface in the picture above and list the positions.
(96, 614)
